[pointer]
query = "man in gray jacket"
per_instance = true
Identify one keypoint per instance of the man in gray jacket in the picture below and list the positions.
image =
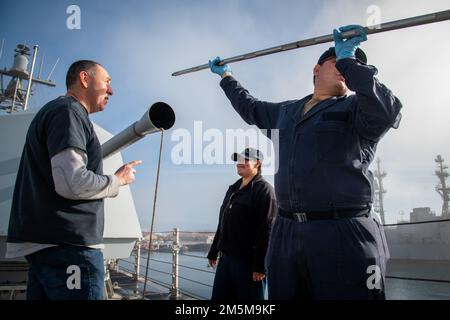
(57, 215)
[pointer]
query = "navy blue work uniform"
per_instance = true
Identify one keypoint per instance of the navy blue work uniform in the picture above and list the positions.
(323, 174)
(241, 240)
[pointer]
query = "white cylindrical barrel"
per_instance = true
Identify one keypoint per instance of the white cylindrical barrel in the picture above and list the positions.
(159, 116)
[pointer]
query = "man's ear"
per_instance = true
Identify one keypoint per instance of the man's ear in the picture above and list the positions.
(316, 70)
(84, 78)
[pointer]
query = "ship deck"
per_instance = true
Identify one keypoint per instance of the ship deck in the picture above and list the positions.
(125, 287)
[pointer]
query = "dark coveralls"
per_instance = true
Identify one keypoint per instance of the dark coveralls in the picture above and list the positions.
(323, 168)
(241, 240)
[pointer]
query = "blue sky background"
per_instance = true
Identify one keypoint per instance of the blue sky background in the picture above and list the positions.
(142, 42)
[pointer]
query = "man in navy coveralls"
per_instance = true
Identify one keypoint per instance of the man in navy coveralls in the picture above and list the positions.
(325, 243)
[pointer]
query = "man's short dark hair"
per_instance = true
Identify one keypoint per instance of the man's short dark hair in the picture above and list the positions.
(360, 55)
(331, 53)
(76, 68)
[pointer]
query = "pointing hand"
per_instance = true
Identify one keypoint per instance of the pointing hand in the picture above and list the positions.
(126, 172)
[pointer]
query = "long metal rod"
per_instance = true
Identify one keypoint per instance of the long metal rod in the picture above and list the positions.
(30, 79)
(383, 27)
(1, 48)
(53, 69)
(155, 197)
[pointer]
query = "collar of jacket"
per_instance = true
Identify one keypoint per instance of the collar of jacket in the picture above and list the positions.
(295, 110)
(235, 186)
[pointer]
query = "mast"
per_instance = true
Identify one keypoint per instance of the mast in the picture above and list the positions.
(379, 204)
(14, 97)
(441, 187)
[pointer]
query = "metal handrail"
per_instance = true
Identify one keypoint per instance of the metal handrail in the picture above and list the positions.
(178, 264)
(140, 275)
(174, 290)
(163, 272)
(156, 232)
(384, 225)
(193, 295)
(169, 286)
(389, 277)
(165, 262)
(162, 283)
(129, 262)
(201, 232)
(419, 279)
(181, 277)
(198, 282)
(192, 255)
(197, 269)
(417, 222)
(186, 254)
(167, 273)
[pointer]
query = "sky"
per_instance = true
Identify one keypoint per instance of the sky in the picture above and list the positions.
(141, 43)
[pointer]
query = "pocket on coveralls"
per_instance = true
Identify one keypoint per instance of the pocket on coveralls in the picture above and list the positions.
(361, 251)
(331, 141)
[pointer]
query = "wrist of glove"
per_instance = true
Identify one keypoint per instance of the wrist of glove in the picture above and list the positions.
(347, 48)
(220, 70)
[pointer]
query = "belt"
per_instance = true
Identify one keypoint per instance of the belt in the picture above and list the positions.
(340, 213)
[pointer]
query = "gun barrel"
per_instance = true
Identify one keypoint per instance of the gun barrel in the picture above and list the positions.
(159, 116)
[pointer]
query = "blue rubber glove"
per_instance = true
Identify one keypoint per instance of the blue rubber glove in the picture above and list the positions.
(347, 48)
(220, 70)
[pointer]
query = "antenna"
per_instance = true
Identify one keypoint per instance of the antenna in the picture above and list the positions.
(53, 69)
(30, 79)
(442, 188)
(1, 48)
(40, 65)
